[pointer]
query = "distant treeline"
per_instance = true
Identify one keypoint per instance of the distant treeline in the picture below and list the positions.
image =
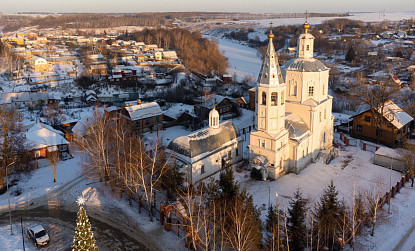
(95, 20)
(198, 54)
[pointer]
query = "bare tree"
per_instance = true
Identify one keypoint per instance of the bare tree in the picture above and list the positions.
(201, 221)
(375, 96)
(12, 145)
(95, 144)
(241, 229)
(374, 203)
(53, 158)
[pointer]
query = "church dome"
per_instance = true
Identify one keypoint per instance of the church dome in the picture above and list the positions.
(305, 65)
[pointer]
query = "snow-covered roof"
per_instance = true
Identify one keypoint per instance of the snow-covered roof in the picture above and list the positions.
(205, 140)
(40, 125)
(144, 110)
(90, 92)
(210, 100)
(9, 97)
(296, 127)
(395, 115)
(398, 154)
(39, 136)
(178, 109)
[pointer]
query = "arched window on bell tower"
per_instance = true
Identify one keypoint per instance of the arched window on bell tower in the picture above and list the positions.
(274, 98)
(264, 98)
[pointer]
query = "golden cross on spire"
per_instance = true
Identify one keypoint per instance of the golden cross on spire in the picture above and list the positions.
(306, 25)
(270, 31)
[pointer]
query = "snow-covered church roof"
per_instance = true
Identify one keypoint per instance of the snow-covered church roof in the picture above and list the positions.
(296, 127)
(205, 141)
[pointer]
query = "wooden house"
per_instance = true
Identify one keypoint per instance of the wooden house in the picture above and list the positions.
(43, 139)
(395, 124)
(142, 117)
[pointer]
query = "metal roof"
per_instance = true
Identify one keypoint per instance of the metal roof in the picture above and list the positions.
(205, 140)
(305, 65)
(296, 126)
(395, 115)
(142, 111)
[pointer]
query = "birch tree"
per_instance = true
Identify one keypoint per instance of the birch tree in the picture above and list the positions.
(53, 158)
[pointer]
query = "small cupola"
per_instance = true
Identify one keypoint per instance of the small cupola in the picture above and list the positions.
(214, 118)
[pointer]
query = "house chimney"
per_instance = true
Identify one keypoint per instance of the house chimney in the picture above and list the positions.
(138, 101)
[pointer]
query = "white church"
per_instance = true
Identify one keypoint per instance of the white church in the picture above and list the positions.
(293, 111)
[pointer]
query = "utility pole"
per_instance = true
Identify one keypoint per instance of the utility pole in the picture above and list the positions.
(390, 188)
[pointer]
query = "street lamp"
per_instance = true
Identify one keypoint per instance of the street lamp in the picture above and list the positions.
(8, 197)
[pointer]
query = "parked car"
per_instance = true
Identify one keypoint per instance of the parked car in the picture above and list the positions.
(38, 235)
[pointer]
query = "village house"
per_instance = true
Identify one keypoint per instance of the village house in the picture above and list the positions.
(39, 64)
(222, 104)
(142, 117)
(42, 139)
(395, 125)
(24, 99)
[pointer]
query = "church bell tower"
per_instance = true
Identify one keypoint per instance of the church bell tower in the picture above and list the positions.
(270, 94)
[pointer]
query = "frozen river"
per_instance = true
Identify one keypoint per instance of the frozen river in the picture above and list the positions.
(243, 60)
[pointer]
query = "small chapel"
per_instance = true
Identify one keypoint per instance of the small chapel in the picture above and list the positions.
(293, 111)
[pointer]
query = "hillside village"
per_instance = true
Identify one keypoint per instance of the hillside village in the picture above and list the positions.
(299, 123)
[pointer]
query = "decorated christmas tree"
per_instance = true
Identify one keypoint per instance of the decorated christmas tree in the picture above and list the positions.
(84, 238)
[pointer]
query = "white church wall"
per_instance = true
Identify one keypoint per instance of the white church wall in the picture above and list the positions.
(213, 162)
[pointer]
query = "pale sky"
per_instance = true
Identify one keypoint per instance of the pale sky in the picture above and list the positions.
(253, 6)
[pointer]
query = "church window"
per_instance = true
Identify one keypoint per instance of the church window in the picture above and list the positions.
(319, 116)
(308, 47)
(264, 98)
(307, 150)
(282, 98)
(324, 90)
(236, 152)
(259, 142)
(311, 91)
(202, 169)
(303, 153)
(263, 143)
(325, 114)
(273, 75)
(274, 98)
(229, 154)
(295, 89)
(266, 75)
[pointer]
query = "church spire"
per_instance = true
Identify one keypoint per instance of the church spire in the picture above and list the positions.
(270, 73)
(306, 25)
